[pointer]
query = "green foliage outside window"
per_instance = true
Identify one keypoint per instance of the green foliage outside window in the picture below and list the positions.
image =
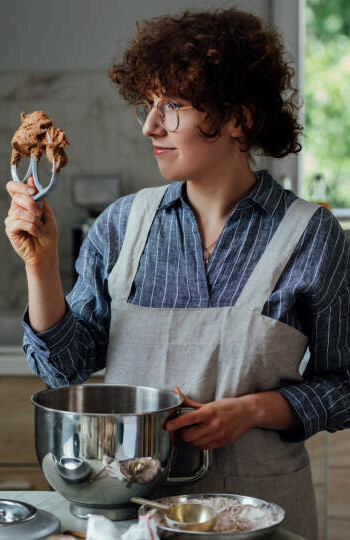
(327, 98)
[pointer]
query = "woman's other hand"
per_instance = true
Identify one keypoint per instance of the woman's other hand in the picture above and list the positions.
(213, 424)
(221, 422)
(31, 229)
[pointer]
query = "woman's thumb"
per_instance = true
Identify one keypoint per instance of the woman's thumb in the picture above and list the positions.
(187, 401)
(31, 183)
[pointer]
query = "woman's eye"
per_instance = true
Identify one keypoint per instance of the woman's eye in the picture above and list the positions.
(171, 105)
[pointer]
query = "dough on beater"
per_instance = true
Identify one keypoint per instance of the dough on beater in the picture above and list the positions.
(31, 138)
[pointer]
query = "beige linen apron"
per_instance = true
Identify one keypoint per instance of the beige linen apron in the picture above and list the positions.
(218, 352)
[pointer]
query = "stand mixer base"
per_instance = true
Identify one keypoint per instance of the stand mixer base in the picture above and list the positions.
(115, 513)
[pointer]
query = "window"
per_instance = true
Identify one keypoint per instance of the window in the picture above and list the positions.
(327, 101)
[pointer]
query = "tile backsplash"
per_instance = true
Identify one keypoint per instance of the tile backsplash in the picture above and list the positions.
(104, 138)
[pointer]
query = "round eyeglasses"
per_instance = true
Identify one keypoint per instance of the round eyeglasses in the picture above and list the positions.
(167, 111)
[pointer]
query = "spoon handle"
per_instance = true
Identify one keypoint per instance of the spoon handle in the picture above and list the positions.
(152, 504)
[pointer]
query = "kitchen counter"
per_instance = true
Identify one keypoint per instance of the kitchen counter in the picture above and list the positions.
(13, 361)
(53, 502)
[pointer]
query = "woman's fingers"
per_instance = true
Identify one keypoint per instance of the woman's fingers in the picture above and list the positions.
(21, 214)
(30, 226)
(17, 226)
(31, 183)
(208, 443)
(20, 187)
(184, 420)
(26, 202)
(207, 435)
(21, 198)
(192, 434)
(21, 194)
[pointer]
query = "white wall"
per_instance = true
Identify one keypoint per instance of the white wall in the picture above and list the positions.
(82, 35)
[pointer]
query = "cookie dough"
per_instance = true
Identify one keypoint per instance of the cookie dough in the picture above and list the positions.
(31, 139)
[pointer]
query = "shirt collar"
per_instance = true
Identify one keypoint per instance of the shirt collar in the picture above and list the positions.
(172, 195)
(267, 193)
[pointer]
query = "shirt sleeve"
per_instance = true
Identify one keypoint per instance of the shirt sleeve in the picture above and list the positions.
(322, 400)
(76, 347)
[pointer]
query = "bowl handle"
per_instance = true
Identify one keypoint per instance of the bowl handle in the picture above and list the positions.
(203, 468)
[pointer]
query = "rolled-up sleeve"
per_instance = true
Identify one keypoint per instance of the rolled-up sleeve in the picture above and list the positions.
(322, 400)
(76, 346)
(72, 350)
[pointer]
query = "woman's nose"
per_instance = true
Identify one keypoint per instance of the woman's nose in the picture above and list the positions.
(152, 125)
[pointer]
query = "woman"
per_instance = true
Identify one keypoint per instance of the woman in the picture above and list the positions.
(215, 283)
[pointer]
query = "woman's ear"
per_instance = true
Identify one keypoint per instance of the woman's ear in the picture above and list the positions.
(236, 126)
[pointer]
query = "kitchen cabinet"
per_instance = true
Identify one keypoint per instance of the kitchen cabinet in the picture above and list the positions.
(19, 468)
(22, 477)
(330, 462)
(317, 450)
(339, 485)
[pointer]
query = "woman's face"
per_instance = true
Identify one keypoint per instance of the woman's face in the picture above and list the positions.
(185, 154)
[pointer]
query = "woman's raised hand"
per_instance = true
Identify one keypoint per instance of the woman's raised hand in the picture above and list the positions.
(31, 228)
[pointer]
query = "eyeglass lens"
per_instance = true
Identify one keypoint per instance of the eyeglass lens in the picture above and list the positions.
(166, 111)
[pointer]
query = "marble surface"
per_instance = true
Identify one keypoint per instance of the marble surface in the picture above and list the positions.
(55, 503)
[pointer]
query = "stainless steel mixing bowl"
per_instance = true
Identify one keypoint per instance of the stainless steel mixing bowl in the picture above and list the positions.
(101, 444)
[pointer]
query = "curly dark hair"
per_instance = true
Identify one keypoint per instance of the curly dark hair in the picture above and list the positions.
(225, 62)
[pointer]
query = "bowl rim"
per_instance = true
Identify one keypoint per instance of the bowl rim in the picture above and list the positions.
(228, 534)
(169, 391)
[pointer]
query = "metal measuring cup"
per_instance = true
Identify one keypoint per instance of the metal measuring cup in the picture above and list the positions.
(187, 516)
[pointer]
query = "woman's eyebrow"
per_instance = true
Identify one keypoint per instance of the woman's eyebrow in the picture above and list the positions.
(173, 99)
(177, 100)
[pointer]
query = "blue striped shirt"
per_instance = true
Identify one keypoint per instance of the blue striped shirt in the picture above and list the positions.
(312, 294)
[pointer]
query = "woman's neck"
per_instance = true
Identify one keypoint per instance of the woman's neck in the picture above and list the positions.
(213, 200)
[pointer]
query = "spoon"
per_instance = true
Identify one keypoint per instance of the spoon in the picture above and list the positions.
(187, 516)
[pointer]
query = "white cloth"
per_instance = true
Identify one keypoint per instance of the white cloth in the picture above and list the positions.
(145, 529)
(101, 528)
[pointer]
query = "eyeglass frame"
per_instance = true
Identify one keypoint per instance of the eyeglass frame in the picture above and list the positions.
(177, 108)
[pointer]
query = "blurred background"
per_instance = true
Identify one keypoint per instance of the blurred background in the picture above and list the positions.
(55, 57)
(327, 105)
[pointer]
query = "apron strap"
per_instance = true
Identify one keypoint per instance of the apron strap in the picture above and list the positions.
(142, 212)
(262, 281)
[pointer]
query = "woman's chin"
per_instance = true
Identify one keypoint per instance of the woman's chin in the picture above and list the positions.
(171, 176)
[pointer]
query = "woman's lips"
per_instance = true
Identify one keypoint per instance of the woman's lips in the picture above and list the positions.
(160, 150)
